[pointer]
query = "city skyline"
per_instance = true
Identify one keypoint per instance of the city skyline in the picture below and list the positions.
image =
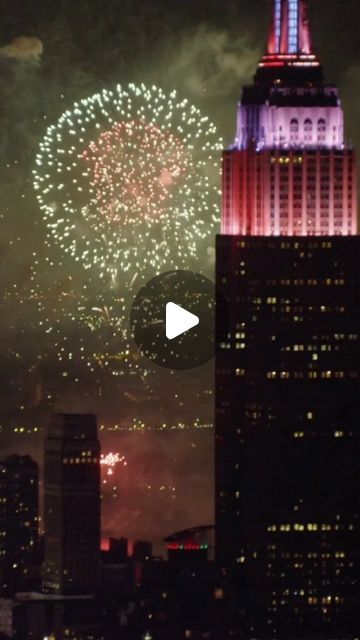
(233, 39)
(137, 501)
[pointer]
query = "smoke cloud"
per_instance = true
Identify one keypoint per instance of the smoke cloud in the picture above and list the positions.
(24, 49)
(213, 63)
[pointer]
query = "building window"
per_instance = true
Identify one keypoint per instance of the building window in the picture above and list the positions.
(294, 130)
(308, 130)
(321, 130)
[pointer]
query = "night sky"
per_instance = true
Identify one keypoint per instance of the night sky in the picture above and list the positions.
(68, 50)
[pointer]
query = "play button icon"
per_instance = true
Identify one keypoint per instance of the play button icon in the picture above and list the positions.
(172, 320)
(178, 320)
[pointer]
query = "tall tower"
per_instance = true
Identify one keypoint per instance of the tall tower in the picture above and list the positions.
(288, 352)
(72, 505)
(290, 170)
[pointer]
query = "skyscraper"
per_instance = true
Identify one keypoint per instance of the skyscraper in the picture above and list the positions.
(19, 521)
(288, 347)
(72, 505)
(290, 171)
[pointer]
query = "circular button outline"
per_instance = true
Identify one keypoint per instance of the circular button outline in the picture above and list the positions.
(193, 292)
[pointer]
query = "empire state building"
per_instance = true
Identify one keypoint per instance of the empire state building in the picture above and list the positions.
(287, 452)
(290, 171)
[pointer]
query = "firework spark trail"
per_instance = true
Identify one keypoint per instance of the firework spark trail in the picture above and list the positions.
(111, 460)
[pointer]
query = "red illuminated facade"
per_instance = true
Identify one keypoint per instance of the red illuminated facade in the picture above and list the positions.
(290, 171)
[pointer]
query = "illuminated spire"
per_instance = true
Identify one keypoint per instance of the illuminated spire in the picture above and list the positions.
(290, 32)
(289, 45)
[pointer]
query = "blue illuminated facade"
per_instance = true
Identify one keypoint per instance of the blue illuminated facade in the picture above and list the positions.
(278, 4)
(293, 32)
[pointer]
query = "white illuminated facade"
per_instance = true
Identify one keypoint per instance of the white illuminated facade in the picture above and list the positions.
(297, 127)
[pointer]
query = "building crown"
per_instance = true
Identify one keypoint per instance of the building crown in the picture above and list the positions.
(290, 31)
(289, 43)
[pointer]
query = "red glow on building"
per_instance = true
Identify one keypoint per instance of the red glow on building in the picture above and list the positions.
(187, 547)
(105, 544)
(281, 192)
(283, 60)
(196, 544)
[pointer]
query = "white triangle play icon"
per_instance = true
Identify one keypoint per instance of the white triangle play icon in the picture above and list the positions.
(178, 320)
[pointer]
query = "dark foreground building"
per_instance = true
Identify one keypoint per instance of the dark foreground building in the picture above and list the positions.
(72, 505)
(288, 370)
(54, 617)
(19, 523)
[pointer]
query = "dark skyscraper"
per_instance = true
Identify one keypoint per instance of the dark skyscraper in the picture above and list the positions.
(288, 353)
(72, 505)
(19, 521)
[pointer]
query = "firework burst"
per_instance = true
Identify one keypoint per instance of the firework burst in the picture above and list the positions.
(110, 461)
(128, 182)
